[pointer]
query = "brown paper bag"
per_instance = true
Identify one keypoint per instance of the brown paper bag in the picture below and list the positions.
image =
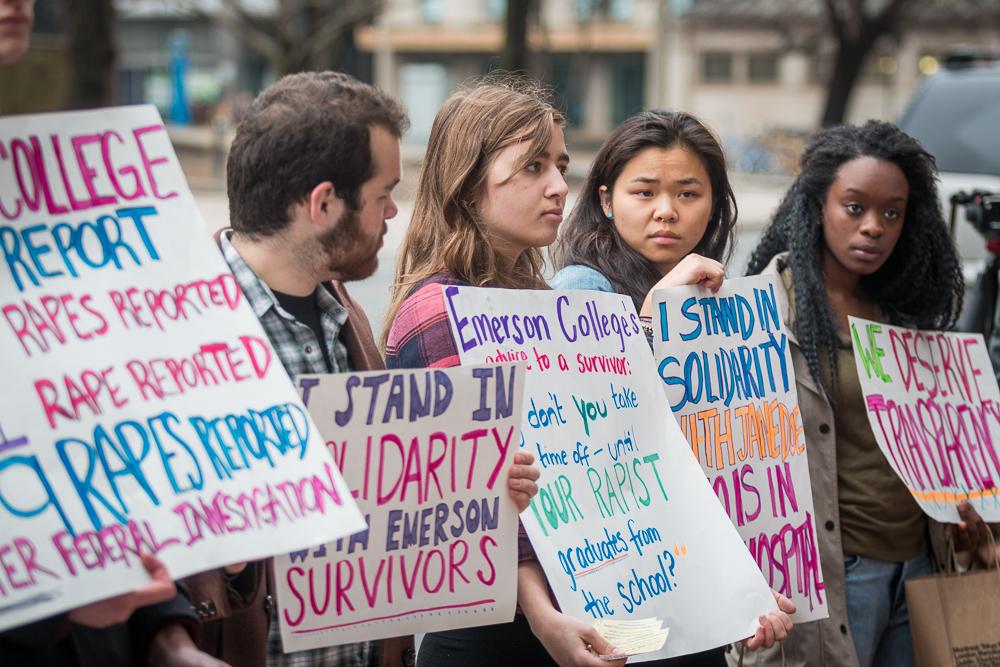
(955, 619)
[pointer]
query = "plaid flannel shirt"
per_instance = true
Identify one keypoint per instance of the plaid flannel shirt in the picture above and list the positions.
(420, 337)
(294, 341)
(295, 344)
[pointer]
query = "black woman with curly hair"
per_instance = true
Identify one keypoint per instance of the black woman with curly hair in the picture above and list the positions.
(860, 233)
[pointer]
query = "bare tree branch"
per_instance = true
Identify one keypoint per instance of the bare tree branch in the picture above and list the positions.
(857, 32)
(256, 38)
(833, 16)
(299, 33)
(287, 10)
(335, 21)
(855, 18)
(889, 15)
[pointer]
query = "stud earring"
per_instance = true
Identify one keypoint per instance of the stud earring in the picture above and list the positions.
(610, 215)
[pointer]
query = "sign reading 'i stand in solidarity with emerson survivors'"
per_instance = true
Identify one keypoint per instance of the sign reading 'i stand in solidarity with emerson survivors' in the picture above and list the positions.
(426, 454)
(143, 406)
(624, 525)
(726, 367)
(934, 407)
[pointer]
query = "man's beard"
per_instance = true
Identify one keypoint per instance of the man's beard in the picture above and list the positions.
(345, 252)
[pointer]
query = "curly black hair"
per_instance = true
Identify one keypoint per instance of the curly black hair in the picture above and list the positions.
(919, 285)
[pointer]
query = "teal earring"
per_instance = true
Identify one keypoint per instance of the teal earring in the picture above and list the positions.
(610, 215)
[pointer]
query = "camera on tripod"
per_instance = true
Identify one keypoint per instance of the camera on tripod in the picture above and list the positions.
(982, 210)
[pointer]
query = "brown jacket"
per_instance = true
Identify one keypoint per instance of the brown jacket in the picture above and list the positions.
(825, 643)
(235, 622)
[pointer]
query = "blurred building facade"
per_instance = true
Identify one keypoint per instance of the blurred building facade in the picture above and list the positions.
(219, 65)
(755, 70)
(595, 54)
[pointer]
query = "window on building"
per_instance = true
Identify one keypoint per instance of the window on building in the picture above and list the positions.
(717, 66)
(616, 10)
(569, 86)
(584, 10)
(630, 85)
(423, 87)
(620, 10)
(496, 9)
(821, 67)
(762, 67)
(431, 10)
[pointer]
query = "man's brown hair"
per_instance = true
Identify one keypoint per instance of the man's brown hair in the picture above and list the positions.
(303, 130)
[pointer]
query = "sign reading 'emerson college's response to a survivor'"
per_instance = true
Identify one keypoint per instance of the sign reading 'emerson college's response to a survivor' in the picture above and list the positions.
(426, 454)
(726, 367)
(625, 524)
(934, 408)
(143, 407)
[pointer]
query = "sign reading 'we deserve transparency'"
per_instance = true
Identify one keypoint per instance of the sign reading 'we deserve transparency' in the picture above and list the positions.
(426, 455)
(144, 408)
(726, 367)
(934, 407)
(625, 525)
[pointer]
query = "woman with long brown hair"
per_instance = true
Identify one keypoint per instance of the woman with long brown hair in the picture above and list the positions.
(490, 146)
(491, 193)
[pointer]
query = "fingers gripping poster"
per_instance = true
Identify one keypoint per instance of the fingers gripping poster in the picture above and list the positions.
(725, 364)
(934, 408)
(624, 525)
(426, 454)
(144, 408)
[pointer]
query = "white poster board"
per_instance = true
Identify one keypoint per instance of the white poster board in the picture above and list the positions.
(426, 454)
(726, 366)
(934, 408)
(624, 525)
(144, 407)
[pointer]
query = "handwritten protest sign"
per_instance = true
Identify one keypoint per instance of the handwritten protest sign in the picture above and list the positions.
(426, 454)
(143, 405)
(624, 524)
(726, 367)
(934, 408)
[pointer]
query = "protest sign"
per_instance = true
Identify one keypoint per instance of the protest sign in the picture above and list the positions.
(726, 367)
(934, 408)
(144, 407)
(624, 524)
(426, 454)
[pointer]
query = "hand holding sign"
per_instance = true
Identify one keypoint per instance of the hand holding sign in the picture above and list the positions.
(774, 627)
(119, 608)
(692, 270)
(970, 532)
(522, 478)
